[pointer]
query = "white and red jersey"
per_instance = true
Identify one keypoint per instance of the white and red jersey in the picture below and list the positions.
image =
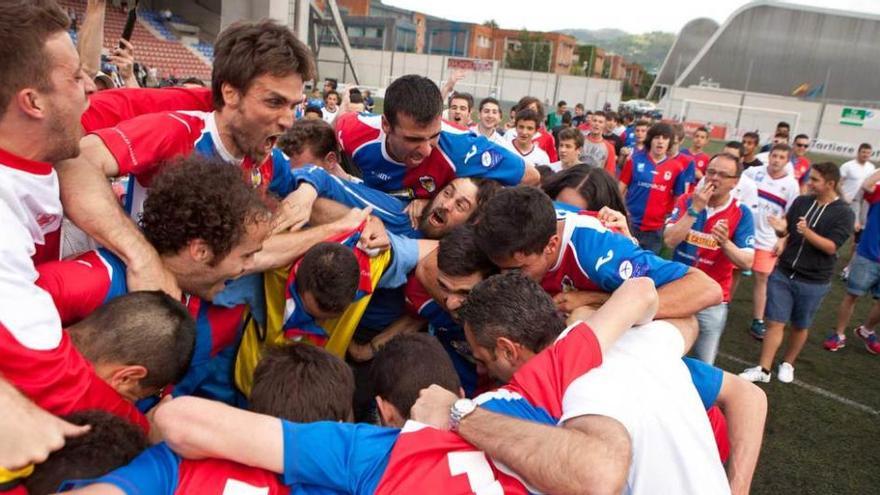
(775, 197)
(592, 257)
(535, 155)
(542, 138)
(365, 459)
(458, 153)
(600, 152)
(142, 145)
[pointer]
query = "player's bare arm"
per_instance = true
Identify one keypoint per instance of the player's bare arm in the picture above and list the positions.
(686, 296)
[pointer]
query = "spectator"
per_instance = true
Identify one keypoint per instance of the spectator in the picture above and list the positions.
(750, 142)
(701, 159)
(864, 275)
(369, 104)
(799, 160)
(542, 137)
(710, 230)
(564, 124)
(783, 129)
(596, 148)
(852, 177)
(460, 106)
(490, 117)
(570, 141)
(614, 133)
(579, 116)
(527, 122)
(329, 85)
(331, 106)
(555, 118)
(812, 231)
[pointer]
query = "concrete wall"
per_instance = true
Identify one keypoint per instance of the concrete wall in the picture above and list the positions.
(378, 68)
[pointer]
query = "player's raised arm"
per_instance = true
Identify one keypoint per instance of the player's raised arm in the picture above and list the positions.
(689, 294)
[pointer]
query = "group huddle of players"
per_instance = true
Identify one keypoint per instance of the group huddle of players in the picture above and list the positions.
(387, 304)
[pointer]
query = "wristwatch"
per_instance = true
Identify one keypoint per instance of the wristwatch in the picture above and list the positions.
(459, 410)
(692, 212)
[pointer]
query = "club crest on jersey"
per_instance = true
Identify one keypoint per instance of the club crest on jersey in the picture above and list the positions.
(640, 167)
(256, 177)
(428, 183)
(488, 159)
(667, 175)
(568, 284)
(627, 270)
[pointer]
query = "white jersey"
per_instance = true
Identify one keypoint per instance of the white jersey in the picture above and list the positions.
(536, 156)
(496, 137)
(644, 384)
(746, 192)
(329, 116)
(774, 198)
(852, 175)
(30, 215)
(765, 159)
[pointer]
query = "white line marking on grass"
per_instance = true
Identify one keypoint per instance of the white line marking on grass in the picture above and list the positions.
(812, 388)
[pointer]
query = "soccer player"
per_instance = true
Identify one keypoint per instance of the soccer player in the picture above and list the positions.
(127, 350)
(313, 142)
(710, 230)
(783, 130)
(679, 153)
(569, 145)
(202, 247)
(750, 142)
(460, 106)
(256, 86)
(814, 228)
(285, 387)
(634, 142)
(650, 182)
(777, 190)
(527, 124)
(701, 159)
(864, 276)
(614, 132)
(408, 151)
(489, 118)
(432, 460)
(520, 229)
(596, 148)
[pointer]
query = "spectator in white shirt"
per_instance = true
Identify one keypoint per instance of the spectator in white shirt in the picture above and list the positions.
(852, 175)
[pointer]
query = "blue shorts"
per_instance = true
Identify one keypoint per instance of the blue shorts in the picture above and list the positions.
(795, 301)
(864, 277)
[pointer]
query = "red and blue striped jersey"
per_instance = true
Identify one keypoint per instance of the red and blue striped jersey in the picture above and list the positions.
(701, 250)
(81, 285)
(592, 257)
(458, 153)
(869, 243)
(652, 188)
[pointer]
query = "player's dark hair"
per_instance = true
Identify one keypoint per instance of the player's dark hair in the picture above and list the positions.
(25, 26)
(199, 198)
(561, 103)
(525, 101)
(459, 256)
(516, 220)
(598, 188)
(316, 136)
(332, 92)
(193, 80)
(469, 98)
(486, 190)
(781, 147)
(802, 136)
(407, 364)
(333, 83)
(416, 96)
(303, 383)
(658, 130)
(783, 125)
(330, 272)
(865, 146)
(489, 100)
(752, 135)
(735, 145)
(702, 129)
(527, 114)
(511, 305)
(781, 134)
(829, 171)
(247, 50)
(566, 118)
(111, 443)
(147, 328)
(642, 123)
(600, 113)
(315, 109)
(355, 96)
(612, 116)
(571, 134)
(579, 105)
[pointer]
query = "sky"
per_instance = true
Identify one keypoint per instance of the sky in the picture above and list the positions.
(633, 16)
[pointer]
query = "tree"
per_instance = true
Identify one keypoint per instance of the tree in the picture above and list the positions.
(491, 23)
(529, 52)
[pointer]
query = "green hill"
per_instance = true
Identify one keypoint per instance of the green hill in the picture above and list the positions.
(647, 49)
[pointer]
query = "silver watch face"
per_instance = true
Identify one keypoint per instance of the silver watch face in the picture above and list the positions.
(464, 406)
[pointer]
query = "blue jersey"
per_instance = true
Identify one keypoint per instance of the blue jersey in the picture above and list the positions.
(592, 257)
(652, 188)
(458, 153)
(869, 243)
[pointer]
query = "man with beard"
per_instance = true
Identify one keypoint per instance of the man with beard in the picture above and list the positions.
(257, 82)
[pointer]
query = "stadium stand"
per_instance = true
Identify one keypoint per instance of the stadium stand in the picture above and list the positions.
(155, 43)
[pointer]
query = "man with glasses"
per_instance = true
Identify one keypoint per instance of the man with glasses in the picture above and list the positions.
(800, 162)
(712, 231)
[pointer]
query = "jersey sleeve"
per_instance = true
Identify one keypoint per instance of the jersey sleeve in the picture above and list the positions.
(873, 196)
(476, 156)
(611, 160)
(140, 145)
(109, 108)
(707, 380)
(544, 379)
(405, 256)
(687, 176)
(680, 209)
(548, 144)
(154, 471)
(626, 173)
(417, 298)
(81, 285)
(341, 456)
(744, 235)
(610, 258)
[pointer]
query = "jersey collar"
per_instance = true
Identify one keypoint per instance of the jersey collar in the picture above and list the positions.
(11, 160)
(214, 132)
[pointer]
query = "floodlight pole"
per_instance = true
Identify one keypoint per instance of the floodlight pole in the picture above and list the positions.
(742, 97)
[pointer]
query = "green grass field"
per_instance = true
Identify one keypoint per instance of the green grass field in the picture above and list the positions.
(813, 444)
